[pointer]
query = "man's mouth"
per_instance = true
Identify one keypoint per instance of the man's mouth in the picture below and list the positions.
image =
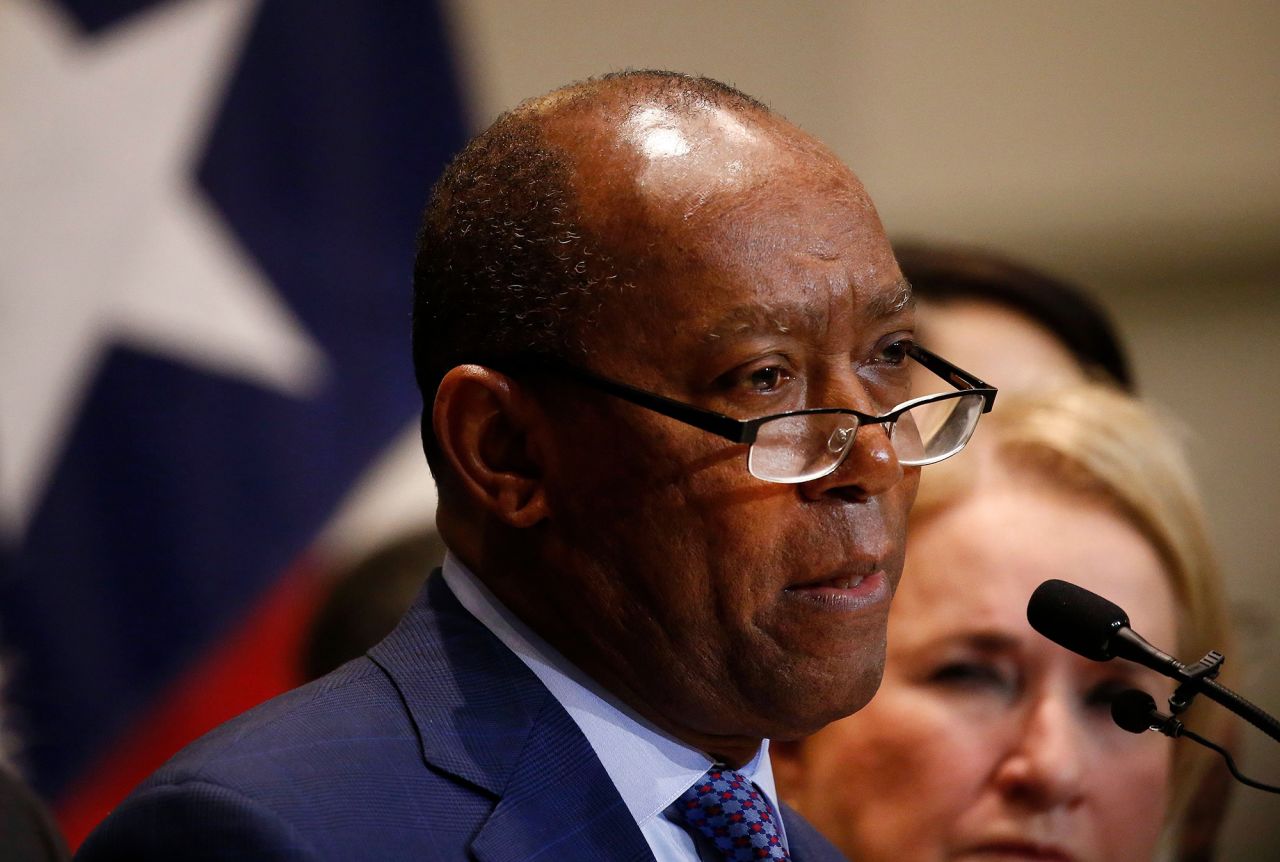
(839, 582)
(845, 590)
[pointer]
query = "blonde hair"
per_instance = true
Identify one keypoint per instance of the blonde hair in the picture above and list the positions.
(1096, 441)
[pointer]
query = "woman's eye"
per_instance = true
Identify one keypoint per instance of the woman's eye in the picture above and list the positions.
(1102, 694)
(970, 675)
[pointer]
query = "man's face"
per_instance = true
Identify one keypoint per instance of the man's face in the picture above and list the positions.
(720, 605)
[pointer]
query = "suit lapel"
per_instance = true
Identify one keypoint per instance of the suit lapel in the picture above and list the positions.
(560, 804)
(472, 700)
(484, 717)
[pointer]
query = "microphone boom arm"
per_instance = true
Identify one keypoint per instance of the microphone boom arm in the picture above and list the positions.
(1192, 679)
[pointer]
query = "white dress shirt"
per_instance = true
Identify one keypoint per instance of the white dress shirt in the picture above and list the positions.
(650, 768)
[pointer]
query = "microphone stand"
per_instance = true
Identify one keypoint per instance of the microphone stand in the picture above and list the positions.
(1193, 679)
(1135, 711)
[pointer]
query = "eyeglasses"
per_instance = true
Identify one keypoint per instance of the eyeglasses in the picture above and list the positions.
(803, 445)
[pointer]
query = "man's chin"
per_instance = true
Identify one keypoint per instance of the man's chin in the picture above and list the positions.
(811, 707)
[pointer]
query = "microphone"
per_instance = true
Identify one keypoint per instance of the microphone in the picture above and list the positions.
(1087, 624)
(1135, 711)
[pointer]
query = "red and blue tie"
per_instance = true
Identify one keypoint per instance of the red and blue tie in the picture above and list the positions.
(731, 811)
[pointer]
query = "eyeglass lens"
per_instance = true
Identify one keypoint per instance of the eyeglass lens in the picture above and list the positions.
(805, 447)
(935, 430)
(800, 448)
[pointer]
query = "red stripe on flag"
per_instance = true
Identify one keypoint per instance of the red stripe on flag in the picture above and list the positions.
(258, 660)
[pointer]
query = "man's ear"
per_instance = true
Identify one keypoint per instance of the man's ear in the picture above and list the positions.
(483, 423)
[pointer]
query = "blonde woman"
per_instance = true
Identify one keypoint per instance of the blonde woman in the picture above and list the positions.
(987, 741)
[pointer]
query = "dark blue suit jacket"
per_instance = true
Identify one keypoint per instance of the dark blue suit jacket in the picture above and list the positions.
(440, 745)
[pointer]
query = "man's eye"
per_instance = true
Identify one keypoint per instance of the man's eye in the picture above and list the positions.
(896, 352)
(767, 379)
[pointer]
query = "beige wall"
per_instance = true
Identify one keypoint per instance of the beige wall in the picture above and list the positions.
(1208, 350)
(1132, 146)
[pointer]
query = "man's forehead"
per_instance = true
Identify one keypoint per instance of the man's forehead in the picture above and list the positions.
(657, 154)
(692, 156)
(795, 316)
(727, 194)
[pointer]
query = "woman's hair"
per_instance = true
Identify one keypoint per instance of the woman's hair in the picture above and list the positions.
(1095, 441)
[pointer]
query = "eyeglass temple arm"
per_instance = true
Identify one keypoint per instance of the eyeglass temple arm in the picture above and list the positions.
(953, 374)
(735, 430)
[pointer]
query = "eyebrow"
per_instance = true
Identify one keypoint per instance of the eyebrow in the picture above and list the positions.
(888, 304)
(783, 318)
(987, 641)
(764, 318)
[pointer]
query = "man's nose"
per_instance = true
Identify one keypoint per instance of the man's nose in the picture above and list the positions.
(1046, 762)
(869, 468)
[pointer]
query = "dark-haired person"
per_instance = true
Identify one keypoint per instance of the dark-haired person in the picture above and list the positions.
(1024, 327)
(365, 600)
(624, 293)
(27, 831)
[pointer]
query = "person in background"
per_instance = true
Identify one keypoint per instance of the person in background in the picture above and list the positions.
(1029, 331)
(1025, 328)
(986, 738)
(27, 832)
(362, 603)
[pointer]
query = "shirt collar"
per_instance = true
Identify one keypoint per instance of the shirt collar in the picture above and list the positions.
(650, 768)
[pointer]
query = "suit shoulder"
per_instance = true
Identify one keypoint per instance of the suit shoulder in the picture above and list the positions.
(337, 763)
(194, 821)
(344, 708)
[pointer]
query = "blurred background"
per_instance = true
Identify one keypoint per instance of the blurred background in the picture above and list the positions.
(206, 219)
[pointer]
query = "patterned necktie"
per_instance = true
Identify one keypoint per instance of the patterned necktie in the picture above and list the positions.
(727, 808)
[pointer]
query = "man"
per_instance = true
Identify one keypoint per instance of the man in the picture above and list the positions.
(633, 604)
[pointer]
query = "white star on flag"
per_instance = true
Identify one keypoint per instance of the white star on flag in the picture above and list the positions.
(105, 237)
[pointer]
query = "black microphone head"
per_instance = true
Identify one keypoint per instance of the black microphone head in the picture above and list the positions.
(1075, 618)
(1132, 710)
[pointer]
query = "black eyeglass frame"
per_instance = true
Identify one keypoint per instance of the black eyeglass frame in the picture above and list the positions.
(744, 431)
